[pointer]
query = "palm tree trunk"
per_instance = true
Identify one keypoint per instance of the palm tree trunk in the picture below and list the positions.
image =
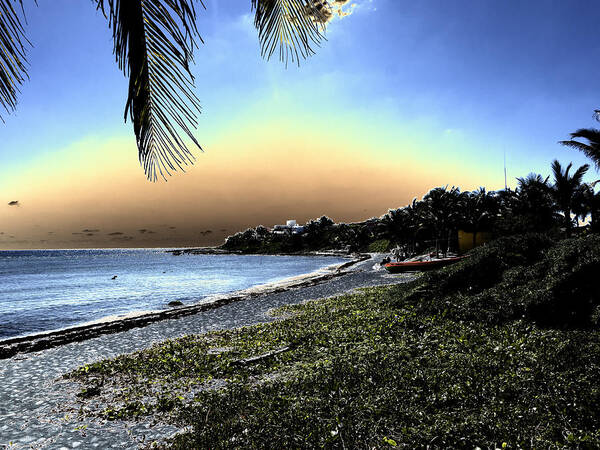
(568, 223)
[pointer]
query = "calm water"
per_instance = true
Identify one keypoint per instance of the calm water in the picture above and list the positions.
(49, 289)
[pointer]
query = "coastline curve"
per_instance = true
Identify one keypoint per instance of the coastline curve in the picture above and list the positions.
(114, 324)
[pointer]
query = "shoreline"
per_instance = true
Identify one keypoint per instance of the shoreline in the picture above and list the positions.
(221, 251)
(114, 324)
(40, 408)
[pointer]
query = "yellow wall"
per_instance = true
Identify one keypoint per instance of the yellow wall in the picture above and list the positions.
(465, 240)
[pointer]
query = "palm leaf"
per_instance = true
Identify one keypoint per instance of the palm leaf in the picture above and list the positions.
(577, 177)
(591, 149)
(292, 26)
(591, 134)
(154, 42)
(13, 62)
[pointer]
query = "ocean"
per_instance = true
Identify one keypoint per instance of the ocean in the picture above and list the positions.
(42, 290)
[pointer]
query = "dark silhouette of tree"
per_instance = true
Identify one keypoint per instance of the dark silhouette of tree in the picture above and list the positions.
(479, 209)
(154, 43)
(441, 212)
(535, 203)
(591, 148)
(566, 188)
(595, 211)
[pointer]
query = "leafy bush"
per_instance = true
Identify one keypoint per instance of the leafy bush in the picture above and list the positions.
(552, 284)
(379, 246)
(483, 267)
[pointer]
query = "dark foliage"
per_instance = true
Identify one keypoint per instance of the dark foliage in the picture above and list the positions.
(432, 224)
(528, 277)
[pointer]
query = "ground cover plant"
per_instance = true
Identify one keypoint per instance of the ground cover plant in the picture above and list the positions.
(501, 350)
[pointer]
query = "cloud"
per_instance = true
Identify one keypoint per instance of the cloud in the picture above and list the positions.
(90, 234)
(90, 231)
(14, 203)
(116, 233)
(122, 238)
(145, 230)
(172, 228)
(329, 9)
(204, 233)
(76, 233)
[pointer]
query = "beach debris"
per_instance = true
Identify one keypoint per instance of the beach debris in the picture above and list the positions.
(260, 358)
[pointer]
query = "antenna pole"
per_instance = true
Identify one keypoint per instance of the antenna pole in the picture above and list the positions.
(505, 185)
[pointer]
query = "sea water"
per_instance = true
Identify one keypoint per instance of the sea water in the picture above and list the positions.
(43, 290)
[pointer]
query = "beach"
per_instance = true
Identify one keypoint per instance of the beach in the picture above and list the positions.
(39, 409)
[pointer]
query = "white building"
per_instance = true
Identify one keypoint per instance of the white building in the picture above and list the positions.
(291, 227)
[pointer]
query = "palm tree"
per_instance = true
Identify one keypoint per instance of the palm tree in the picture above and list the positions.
(440, 211)
(591, 149)
(565, 189)
(582, 202)
(535, 206)
(479, 209)
(595, 211)
(154, 42)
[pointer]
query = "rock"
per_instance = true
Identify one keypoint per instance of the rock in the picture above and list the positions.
(175, 303)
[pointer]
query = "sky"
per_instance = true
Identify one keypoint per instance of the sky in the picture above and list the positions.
(401, 97)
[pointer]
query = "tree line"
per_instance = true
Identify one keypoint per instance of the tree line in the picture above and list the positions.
(538, 204)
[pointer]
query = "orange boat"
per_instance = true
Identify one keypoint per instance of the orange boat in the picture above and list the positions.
(412, 266)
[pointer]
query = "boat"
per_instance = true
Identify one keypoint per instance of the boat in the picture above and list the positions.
(412, 266)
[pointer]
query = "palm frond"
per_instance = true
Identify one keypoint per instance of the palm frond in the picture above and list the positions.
(292, 26)
(587, 150)
(557, 170)
(591, 134)
(591, 149)
(154, 42)
(577, 177)
(13, 61)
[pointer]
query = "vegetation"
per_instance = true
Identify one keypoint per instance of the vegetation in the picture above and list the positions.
(154, 43)
(591, 148)
(431, 224)
(500, 350)
(589, 200)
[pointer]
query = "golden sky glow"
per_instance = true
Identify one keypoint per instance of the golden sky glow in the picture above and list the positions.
(401, 98)
(91, 194)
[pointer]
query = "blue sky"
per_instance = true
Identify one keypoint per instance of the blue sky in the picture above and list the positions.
(431, 87)
(512, 74)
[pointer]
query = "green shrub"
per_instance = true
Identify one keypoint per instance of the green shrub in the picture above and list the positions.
(552, 284)
(380, 246)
